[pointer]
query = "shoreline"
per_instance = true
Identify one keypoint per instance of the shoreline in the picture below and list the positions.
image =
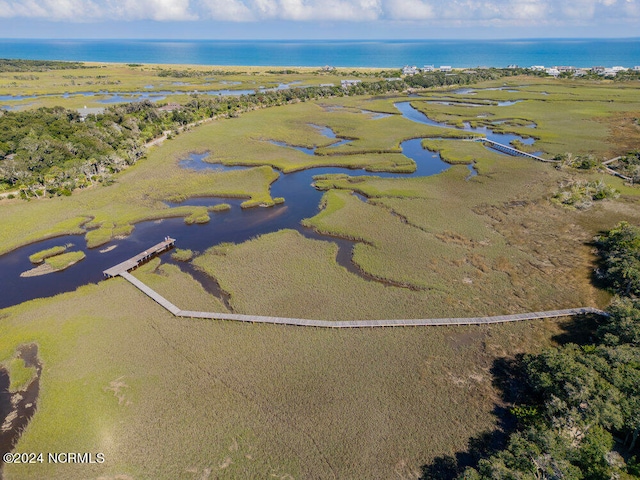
(357, 53)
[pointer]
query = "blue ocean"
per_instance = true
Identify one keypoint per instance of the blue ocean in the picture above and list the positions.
(369, 53)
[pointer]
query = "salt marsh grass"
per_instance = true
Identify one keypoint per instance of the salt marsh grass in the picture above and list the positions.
(42, 255)
(64, 260)
(164, 397)
(19, 374)
(167, 397)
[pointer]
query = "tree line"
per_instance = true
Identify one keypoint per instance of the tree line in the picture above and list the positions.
(17, 65)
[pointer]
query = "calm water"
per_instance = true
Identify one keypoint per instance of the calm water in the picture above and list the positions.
(236, 225)
(381, 53)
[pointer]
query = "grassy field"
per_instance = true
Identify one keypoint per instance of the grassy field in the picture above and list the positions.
(64, 260)
(570, 116)
(65, 87)
(19, 374)
(165, 397)
(137, 195)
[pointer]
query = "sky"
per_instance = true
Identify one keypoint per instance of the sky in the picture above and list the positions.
(318, 19)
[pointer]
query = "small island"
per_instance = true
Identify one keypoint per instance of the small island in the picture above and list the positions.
(55, 263)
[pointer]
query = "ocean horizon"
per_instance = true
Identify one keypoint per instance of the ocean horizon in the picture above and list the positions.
(578, 52)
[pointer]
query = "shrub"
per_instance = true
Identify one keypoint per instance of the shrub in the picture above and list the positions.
(581, 194)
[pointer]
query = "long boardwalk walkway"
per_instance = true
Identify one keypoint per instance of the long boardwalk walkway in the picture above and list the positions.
(511, 150)
(301, 322)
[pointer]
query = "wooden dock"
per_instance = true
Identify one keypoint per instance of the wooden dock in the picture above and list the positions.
(510, 150)
(139, 259)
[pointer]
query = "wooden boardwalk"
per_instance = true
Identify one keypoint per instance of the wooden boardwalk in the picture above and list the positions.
(302, 322)
(613, 172)
(151, 293)
(511, 150)
(122, 270)
(134, 262)
(418, 322)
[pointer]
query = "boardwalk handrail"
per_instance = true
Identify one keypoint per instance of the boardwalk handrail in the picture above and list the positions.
(301, 322)
(511, 150)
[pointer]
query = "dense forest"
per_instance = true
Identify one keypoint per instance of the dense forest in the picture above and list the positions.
(576, 408)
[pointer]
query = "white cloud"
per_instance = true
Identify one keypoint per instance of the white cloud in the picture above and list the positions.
(409, 9)
(88, 10)
(296, 10)
(428, 12)
(230, 10)
(161, 10)
(51, 9)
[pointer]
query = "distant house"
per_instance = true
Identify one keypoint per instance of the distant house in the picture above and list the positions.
(565, 69)
(328, 68)
(537, 68)
(428, 68)
(349, 83)
(580, 72)
(407, 70)
(636, 68)
(513, 66)
(554, 72)
(445, 68)
(609, 72)
(619, 69)
(599, 69)
(170, 107)
(85, 112)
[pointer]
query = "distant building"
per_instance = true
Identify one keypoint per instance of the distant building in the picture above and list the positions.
(428, 68)
(636, 68)
(328, 68)
(513, 66)
(619, 69)
(349, 83)
(445, 68)
(598, 69)
(580, 72)
(537, 68)
(566, 69)
(407, 70)
(85, 112)
(554, 72)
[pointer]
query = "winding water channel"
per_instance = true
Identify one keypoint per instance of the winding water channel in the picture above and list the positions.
(138, 96)
(235, 225)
